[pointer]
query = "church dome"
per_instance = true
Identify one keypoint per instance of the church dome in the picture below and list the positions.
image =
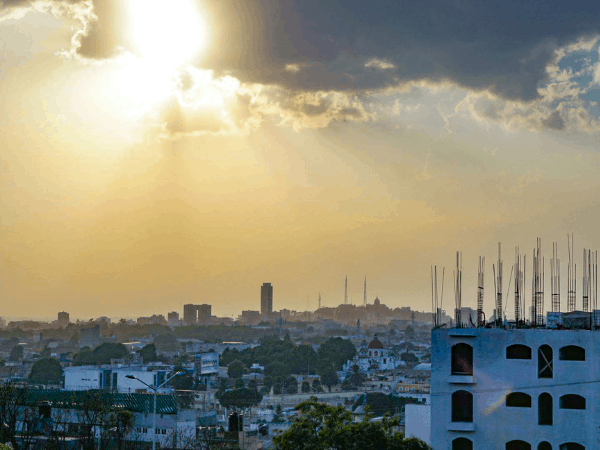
(376, 302)
(375, 343)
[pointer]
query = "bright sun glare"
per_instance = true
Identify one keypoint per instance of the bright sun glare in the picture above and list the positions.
(171, 33)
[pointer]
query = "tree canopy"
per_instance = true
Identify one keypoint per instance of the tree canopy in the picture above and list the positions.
(235, 369)
(326, 427)
(46, 370)
(148, 353)
(100, 355)
(240, 398)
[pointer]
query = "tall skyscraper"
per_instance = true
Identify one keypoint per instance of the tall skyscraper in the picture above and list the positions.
(266, 299)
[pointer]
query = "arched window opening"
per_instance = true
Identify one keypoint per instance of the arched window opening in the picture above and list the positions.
(571, 353)
(545, 409)
(462, 359)
(544, 446)
(571, 446)
(571, 401)
(462, 443)
(545, 369)
(462, 406)
(518, 351)
(518, 400)
(518, 445)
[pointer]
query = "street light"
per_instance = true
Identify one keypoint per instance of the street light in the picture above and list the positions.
(155, 389)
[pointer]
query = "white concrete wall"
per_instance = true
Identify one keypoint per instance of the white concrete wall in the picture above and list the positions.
(418, 422)
(125, 384)
(494, 376)
(78, 379)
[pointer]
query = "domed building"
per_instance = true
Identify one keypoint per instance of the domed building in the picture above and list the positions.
(372, 357)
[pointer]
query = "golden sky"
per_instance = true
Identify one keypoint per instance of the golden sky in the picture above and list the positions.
(160, 153)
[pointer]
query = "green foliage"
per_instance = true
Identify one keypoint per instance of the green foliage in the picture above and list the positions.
(182, 382)
(167, 343)
(239, 398)
(305, 387)
(46, 370)
(329, 378)
(355, 378)
(235, 369)
(282, 358)
(380, 404)
(16, 353)
(409, 358)
(322, 426)
(148, 353)
(316, 386)
(239, 383)
(100, 355)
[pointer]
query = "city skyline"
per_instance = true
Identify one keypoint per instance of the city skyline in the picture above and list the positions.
(156, 156)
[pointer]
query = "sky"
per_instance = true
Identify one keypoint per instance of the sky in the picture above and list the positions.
(154, 154)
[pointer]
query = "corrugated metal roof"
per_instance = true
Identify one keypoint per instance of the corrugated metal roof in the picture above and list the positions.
(140, 403)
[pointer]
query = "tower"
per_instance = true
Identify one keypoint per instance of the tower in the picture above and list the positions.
(346, 291)
(266, 299)
(365, 296)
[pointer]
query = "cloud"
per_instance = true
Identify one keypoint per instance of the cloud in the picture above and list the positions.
(499, 46)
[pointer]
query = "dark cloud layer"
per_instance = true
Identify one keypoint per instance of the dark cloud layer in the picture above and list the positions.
(503, 46)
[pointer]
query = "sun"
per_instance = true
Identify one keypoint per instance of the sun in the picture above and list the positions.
(169, 33)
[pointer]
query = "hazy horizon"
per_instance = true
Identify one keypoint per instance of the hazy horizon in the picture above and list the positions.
(156, 156)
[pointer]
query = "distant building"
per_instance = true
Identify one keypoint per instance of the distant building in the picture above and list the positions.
(173, 318)
(156, 319)
(196, 314)
(63, 319)
(373, 357)
(266, 299)
(512, 389)
(90, 337)
(250, 317)
(114, 379)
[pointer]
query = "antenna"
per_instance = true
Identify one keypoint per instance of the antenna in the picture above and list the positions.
(365, 296)
(319, 300)
(346, 291)
(498, 284)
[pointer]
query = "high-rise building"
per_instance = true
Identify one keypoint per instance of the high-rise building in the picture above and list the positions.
(63, 319)
(266, 299)
(194, 314)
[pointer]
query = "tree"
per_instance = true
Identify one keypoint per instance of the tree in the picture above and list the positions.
(329, 378)
(102, 354)
(167, 343)
(409, 358)
(323, 426)
(46, 370)
(355, 377)
(16, 353)
(316, 386)
(119, 422)
(148, 353)
(235, 369)
(240, 398)
(305, 387)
